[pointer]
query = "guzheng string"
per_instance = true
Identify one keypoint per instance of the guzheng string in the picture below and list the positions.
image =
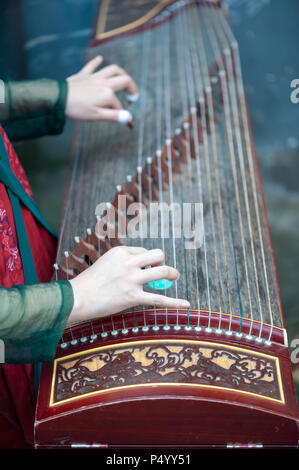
(240, 90)
(206, 146)
(218, 60)
(143, 105)
(240, 157)
(240, 154)
(217, 32)
(190, 96)
(184, 106)
(168, 146)
(212, 117)
(67, 208)
(92, 144)
(206, 78)
(229, 142)
(159, 127)
(216, 161)
(197, 97)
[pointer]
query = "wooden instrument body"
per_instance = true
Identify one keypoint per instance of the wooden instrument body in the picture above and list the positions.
(161, 389)
(156, 378)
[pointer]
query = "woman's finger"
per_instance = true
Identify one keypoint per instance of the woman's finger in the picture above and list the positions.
(163, 301)
(158, 272)
(113, 115)
(136, 250)
(91, 66)
(153, 257)
(123, 82)
(111, 71)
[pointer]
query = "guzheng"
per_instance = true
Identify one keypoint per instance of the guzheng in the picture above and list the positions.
(219, 373)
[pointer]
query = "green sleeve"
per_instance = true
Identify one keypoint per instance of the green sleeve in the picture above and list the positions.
(32, 320)
(33, 108)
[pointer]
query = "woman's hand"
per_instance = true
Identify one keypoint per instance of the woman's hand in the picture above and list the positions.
(115, 283)
(91, 95)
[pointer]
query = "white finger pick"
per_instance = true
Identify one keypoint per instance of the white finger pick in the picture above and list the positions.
(124, 116)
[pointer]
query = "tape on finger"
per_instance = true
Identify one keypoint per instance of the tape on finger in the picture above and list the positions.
(132, 98)
(124, 117)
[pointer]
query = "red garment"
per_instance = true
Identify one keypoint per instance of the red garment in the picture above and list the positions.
(16, 381)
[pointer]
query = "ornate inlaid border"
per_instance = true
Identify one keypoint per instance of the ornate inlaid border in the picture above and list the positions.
(169, 362)
(101, 23)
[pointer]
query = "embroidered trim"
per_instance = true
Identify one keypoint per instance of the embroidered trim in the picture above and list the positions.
(10, 249)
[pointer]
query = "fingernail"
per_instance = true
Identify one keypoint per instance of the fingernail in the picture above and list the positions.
(185, 303)
(124, 116)
(132, 98)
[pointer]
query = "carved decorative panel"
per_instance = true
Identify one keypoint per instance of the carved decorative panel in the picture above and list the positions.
(168, 362)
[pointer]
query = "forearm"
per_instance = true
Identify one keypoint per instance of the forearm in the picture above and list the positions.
(33, 108)
(32, 320)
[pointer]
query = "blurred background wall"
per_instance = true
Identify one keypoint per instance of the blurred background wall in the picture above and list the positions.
(41, 38)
